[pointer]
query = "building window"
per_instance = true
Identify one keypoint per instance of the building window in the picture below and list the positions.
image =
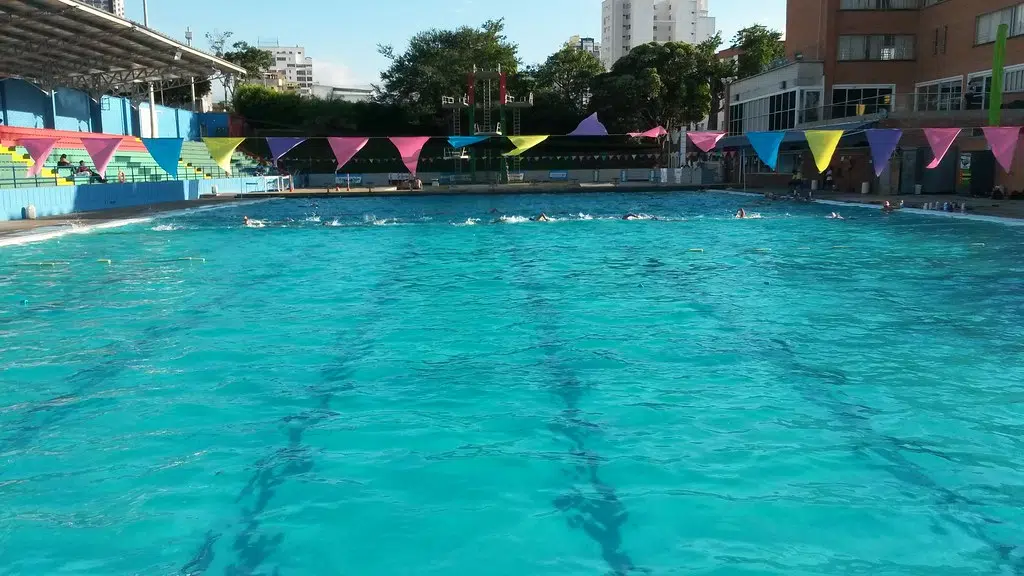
(940, 96)
(782, 111)
(876, 47)
(735, 119)
(810, 106)
(878, 4)
(856, 101)
(979, 86)
(987, 25)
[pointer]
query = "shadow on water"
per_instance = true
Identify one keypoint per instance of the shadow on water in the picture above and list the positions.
(600, 514)
(886, 452)
(252, 545)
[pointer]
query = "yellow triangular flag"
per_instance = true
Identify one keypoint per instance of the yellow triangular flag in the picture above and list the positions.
(221, 150)
(823, 145)
(524, 143)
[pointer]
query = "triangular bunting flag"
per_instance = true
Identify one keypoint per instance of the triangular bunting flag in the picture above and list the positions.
(823, 146)
(221, 150)
(940, 139)
(39, 150)
(766, 145)
(345, 148)
(1003, 142)
(590, 126)
(524, 143)
(281, 146)
(883, 143)
(409, 148)
(101, 150)
(165, 152)
(705, 141)
(652, 133)
(463, 141)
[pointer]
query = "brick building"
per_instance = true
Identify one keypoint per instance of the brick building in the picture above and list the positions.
(891, 63)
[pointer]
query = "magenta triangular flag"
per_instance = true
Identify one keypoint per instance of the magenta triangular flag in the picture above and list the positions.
(101, 150)
(1003, 142)
(345, 148)
(705, 141)
(281, 146)
(590, 126)
(409, 148)
(940, 139)
(39, 150)
(652, 133)
(883, 143)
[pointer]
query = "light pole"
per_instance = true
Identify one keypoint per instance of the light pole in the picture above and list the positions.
(191, 79)
(152, 91)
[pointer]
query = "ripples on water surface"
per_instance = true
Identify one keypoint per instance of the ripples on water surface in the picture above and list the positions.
(398, 386)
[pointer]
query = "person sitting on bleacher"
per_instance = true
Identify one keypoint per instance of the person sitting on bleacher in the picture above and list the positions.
(93, 175)
(63, 160)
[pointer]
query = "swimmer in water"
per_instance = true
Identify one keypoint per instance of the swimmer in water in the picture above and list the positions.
(888, 208)
(631, 216)
(835, 216)
(541, 218)
(741, 213)
(246, 221)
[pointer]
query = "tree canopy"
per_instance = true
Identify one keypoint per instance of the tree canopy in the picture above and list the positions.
(656, 84)
(436, 64)
(567, 76)
(759, 47)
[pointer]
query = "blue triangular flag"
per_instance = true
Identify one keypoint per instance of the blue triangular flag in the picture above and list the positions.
(166, 152)
(766, 144)
(463, 141)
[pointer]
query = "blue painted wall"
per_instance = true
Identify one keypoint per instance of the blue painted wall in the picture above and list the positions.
(214, 124)
(61, 200)
(72, 111)
(115, 116)
(25, 105)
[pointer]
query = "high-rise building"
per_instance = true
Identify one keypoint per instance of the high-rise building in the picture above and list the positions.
(293, 64)
(586, 44)
(626, 24)
(115, 7)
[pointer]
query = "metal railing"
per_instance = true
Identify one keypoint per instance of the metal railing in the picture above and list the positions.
(770, 116)
(14, 176)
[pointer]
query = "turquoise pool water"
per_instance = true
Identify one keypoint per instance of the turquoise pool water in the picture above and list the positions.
(400, 392)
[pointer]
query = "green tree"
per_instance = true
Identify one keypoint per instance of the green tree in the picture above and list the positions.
(655, 84)
(436, 64)
(218, 41)
(759, 47)
(254, 60)
(719, 72)
(567, 75)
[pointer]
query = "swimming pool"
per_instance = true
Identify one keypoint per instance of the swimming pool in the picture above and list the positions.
(401, 386)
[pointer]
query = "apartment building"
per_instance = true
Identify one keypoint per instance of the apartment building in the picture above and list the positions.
(629, 23)
(923, 55)
(889, 63)
(293, 64)
(115, 7)
(586, 44)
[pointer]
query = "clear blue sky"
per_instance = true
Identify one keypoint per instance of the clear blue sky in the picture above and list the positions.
(341, 35)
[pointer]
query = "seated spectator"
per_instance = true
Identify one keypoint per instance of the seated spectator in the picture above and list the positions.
(63, 160)
(93, 175)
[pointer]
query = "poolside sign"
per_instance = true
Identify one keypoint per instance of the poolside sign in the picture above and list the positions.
(348, 179)
(558, 175)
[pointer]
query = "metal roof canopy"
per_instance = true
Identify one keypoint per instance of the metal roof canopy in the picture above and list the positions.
(57, 43)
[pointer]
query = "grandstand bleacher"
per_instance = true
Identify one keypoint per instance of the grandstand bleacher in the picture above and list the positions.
(99, 88)
(131, 158)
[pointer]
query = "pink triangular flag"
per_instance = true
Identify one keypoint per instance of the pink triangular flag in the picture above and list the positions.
(101, 150)
(409, 148)
(39, 150)
(705, 141)
(1003, 142)
(940, 139)
(652, 133)
(345, 148)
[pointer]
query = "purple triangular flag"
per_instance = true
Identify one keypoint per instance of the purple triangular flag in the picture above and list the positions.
(281, 146)
(590, 126)
(883, 143)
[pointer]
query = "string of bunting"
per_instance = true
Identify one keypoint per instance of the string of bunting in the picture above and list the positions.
(883, 142)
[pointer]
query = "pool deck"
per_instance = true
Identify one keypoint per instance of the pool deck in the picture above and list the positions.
(981, 206)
